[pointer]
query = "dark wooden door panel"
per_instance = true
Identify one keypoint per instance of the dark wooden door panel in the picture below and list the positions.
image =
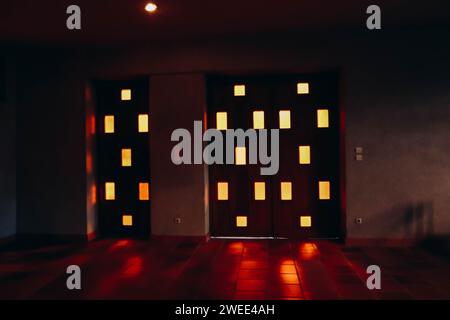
(274, 216)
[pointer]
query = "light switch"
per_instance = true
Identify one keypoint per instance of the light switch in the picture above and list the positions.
(359, 151)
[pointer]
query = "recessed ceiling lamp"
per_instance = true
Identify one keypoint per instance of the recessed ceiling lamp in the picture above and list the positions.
(151, 7)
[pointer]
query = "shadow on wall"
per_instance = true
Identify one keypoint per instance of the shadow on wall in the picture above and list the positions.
(410, 221)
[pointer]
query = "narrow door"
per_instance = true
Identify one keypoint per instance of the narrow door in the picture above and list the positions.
(123, 157)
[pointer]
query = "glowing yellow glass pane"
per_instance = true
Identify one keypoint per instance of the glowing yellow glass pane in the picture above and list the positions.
(126, 157)
(239, 90)
(258, 120)
(304, 154)
(125, 94)
(322, 118)
(241, 221)
(302, 88)
(143, 123)
(260, 191)
(109, 124)
(285, 119)
(240, 156)
(221, 121)
(127, 220)
(222, 191)
(324, 190)
(286, 191)
(305, 221)
(110, 191)
(144, 191)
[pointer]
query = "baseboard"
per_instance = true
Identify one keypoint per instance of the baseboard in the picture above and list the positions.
(382, 242)
(167, 238)
(7, 240)
(53, 238)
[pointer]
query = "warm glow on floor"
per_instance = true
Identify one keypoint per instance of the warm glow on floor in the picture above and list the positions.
(127, 220)
(222, 191)
(241, 221)
(239, 90)
(286, 191)
(305, 221)
(260, 191)
(258, 120)
(109, 124)
(304, 154)
(144, 191)
(322, 118)
(125, 94)
(221, 121)
(302, 88)
(143, 123)
(240, 156)
(285, 119)
(126, 157)
(324, 190)
(110, 191)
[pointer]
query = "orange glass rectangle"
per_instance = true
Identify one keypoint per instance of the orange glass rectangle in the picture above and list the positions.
(144, 191)
(241, 221)
(260, 191)
(222, 191)
(109, 124)
(126, 157)
(305, 221)
(125, 94)
(127, 220)
(302, 88)
(239, 90)
(143, 123)
(322, 118)
(304, 153)
(110, 191)
(324, 190)
(240, 156)
(221, 121)
(258, 120)
(286, 190)
(285, 119)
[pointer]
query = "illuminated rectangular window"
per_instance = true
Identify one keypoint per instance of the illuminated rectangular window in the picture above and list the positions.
(143, 123)
(127, 220)
(109, 124)
(239, 90)
(285, 119)
(110, 191)
(304, 153)
(302, 88)
(125, 94)
(240, 156)
(322, 118)
(260, 191)
(324, 190)
(144, 191)
(221, 121)
(126, 157)
(258, 120)
(286, 191)
(305, 221)
(241, 221)
(222, 191)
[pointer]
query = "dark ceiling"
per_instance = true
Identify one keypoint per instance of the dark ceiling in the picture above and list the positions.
(122, 21)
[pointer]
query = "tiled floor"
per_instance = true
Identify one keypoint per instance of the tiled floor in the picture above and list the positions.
(182, 269)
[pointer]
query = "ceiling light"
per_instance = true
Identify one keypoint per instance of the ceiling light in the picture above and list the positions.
(151, 7)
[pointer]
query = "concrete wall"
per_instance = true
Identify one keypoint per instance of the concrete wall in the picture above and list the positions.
(395, 97)
(8, 153)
